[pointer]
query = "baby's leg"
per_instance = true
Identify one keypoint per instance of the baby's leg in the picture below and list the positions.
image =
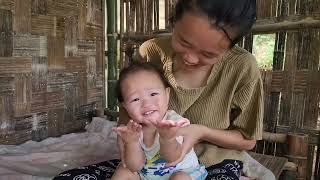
(123, 173)
(180, 176)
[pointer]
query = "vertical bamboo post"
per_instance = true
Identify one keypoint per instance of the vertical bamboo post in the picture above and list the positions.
(122, 56)
(112, 54)
(298, 153)
(156, 15)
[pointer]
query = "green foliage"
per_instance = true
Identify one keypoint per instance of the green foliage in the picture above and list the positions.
(263, 48)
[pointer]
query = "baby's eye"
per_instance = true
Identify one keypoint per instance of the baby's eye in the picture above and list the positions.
(154, 94)
(134, 100)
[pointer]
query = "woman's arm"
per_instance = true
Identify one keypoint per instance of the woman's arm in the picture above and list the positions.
(230, 139)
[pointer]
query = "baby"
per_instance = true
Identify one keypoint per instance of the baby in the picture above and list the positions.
(150, 138)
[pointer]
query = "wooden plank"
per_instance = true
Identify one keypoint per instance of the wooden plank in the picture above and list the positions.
(91, 72)
(95, 95)
(6, 83)
(56, 53)
(82, 22)
(313, 83)
(100, 58)
(22, 16)
(278, 55)
(6, 31)
(93, 32)
(71, 36)
(297, 109)
(290, 69)
(15, 65)
(23, 94)
(39, 73)
(55, 122)
(19, 131)
(29, 45)
(85, 113)
(48, 25)
(6, 5)
(94, 13)
(69, 103)
(56, 80)
(6, 104)
(264, 8)
(74, 126)
(300, 81)
(312, 101)
(63, 7)
(100, 80)
(76, 65)
(45, 101)
(277, 81)
(39, 126)
(82, 90)
(39, 7)
(86, 47)
(275, 164)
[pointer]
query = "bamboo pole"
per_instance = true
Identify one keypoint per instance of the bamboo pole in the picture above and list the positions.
(288, 23)
(112, 55)
(122, 56)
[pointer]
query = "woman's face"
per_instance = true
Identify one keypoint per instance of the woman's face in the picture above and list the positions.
(196, 43)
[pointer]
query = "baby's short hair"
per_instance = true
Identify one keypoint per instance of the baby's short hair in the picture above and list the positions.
(135, 67)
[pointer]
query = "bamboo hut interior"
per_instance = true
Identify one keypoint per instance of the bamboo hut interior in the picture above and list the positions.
(59, 62)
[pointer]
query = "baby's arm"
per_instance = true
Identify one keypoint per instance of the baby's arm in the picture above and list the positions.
(170, 148)
(134, 157)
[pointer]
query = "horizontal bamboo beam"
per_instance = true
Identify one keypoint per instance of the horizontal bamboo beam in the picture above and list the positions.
(274, 137)
(261, 26)
(285, 23)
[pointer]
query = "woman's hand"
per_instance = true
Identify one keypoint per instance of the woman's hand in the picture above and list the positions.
(192, 135)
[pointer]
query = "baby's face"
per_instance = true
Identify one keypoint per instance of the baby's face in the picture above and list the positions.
(145, 97)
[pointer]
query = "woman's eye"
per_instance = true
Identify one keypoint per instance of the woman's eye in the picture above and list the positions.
(185, 44)
(209, 56)
(154, 94)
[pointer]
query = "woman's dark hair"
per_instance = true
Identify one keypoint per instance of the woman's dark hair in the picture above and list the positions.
(234, 17)
(135, 67)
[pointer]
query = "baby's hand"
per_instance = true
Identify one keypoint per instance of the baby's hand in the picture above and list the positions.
(129, 133)
(168, 128)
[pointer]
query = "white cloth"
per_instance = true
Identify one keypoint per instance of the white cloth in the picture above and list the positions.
(45, 159)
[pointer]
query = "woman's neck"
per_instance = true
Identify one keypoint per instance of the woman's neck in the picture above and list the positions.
(194, 78)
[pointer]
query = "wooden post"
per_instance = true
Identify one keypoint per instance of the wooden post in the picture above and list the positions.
(298, 153)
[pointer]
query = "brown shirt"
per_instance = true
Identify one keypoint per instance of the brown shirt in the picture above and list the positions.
(234, 83)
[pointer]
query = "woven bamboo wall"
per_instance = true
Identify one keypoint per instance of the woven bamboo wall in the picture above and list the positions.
(291, 88)
(51, 67)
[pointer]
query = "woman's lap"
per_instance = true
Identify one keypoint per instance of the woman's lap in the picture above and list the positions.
(228, 169)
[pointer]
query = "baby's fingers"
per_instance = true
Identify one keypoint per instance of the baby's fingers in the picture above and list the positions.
(137, 127)
(167, 123)
(183, 122)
